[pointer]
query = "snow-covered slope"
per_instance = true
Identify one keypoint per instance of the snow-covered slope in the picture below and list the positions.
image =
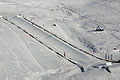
(24, 58)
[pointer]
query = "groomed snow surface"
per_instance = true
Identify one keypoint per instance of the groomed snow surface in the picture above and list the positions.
(24, 58)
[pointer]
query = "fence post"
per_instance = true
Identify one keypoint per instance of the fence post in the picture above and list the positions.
(105, 56)
(108, 57)
(111, 56)
(64, 54)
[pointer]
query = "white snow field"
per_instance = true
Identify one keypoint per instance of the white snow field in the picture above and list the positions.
(28, 52)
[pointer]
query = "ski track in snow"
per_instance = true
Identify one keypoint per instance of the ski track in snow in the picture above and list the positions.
(14, 51)
(21, 48)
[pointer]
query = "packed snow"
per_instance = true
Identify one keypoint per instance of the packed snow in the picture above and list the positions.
(28, 52)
